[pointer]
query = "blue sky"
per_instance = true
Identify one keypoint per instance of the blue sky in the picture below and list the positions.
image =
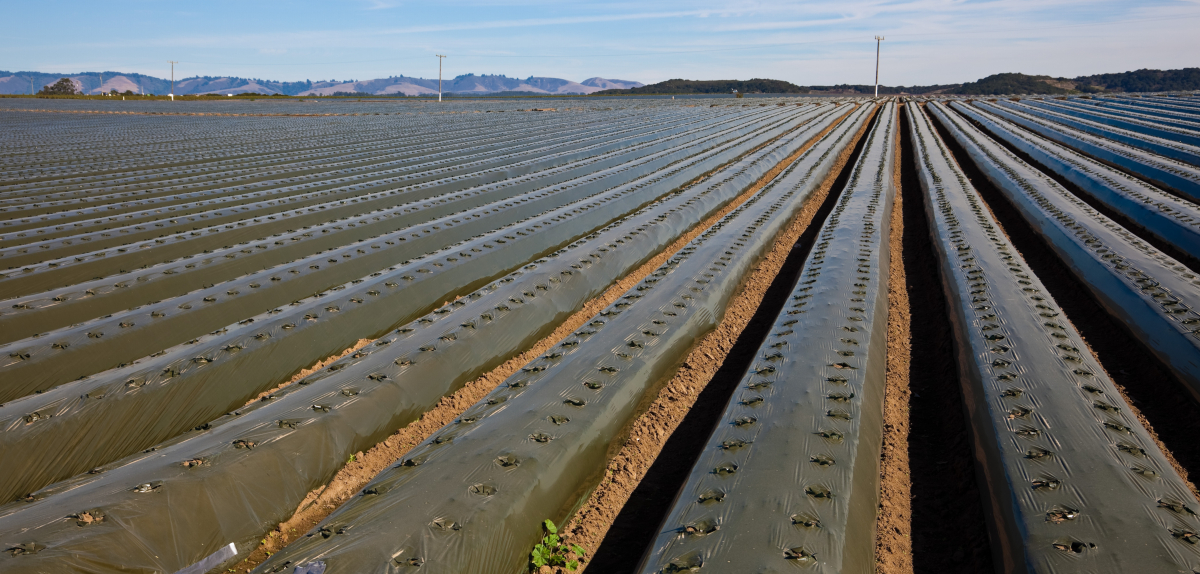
(807, 42)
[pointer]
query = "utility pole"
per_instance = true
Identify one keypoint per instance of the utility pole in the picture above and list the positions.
(173, 62)
(440, 76)
(878, 39)
(101, 84)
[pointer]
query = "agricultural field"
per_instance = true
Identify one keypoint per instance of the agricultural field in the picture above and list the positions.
(615, 334)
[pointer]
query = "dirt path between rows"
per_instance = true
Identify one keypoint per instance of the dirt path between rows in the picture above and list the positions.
(949, 527)
(621, 516)
(317, 366)
(893, 524)
(363, 466)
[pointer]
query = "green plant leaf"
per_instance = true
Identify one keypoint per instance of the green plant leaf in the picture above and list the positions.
(550, 527)
(572, 565)
(579, 551)
(552, 540)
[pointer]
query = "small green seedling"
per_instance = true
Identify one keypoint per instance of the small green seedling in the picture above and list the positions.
(553, 552)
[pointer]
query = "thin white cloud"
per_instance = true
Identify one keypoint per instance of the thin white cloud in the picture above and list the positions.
(538, 22)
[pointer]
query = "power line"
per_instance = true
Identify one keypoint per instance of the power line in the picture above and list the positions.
(173, 62)
(878, 41)
(439, 56)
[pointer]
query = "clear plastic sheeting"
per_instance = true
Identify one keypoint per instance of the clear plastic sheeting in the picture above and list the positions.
(1072, 480)
(258, 184)
(62, 306)
(118, 194)
(1173, 220)
(472, 498)
(1172, 149)
(150, 401)
(51, 263)
(1163, 171)
(65, 354)
(1158, 129)
(1173, 119)
(255, 167)
(1180, 106)
(240, 475)
(1157, 297)
(790, 477)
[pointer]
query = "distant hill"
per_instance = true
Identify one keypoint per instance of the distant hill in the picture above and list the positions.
(869, 89)
(103, 82)
(996, 84)
(471, 84)
(1142, 81)
(1135, 81)
(90, 82)
(468, 84)
(754, 86)
(604, 84)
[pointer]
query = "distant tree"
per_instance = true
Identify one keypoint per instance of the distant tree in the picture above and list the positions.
(677, 86)
(1145, 80)
(128, 93)
(63, 87)
(1001, 84)
(113, 91)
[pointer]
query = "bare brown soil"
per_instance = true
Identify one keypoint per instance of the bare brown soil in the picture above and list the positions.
(1157, 398)
(893, 524)
(314, 368)
(1064, 84)
(949, 532)
(621, 516)
(365, 465)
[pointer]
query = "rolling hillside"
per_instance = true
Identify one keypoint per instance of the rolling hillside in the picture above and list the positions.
(101, 82)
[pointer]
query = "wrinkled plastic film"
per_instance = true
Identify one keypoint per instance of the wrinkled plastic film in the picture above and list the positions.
(1160, 170)
(288, 447)
(196, 382)
(1072, 481)
(1151, 293)
(316, 203)
(1155, 129)
(472, 498)
(66, 354)
(790, 477)
(1173, 150)
(398, 192)
(109, 196)
(65, 305)
(1173, 220)
(1171, 119)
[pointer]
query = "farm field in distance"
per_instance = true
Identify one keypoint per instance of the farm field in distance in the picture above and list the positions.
(705, 334)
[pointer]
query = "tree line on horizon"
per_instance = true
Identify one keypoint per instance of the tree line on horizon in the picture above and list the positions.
(1144, 80)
